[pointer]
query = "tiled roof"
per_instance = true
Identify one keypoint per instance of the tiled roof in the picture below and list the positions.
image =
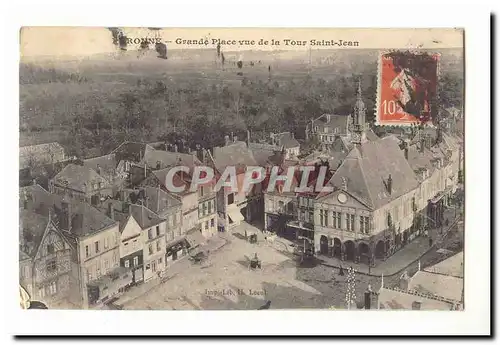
(79, 177)
(131, 151)
(437, 284)
(144, 216)
(85, 219)
(400, 300)
(330, 122)
(31, 229)
(236, 153)
(452, 266)
(159, 200)
(106, 163)
(169, 159)
(366, 170)
(42, 153)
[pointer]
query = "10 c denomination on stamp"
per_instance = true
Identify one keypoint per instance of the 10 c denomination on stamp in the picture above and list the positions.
(407, 88)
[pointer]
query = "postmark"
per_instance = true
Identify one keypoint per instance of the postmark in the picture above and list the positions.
(407, 88)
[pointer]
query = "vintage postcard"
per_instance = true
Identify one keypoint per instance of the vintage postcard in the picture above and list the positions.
(241, 169)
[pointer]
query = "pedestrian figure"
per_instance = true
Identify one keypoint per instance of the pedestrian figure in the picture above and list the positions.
(341, 271)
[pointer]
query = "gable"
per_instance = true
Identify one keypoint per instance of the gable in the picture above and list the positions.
(51, 237)
(131, 229)
(350, 200)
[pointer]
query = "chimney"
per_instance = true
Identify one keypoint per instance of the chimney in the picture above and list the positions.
(98, 169)
(328, 118)
(158, 165)
(389, 184)
(416, 305)
(158, 200)
(292, 134)
(111, 211)
(65, 222)
(248, 137)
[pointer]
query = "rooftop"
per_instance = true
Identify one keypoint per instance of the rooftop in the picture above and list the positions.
(79, 177)
(437, 284)
(453, 266)
(400, 300)
(367, 168)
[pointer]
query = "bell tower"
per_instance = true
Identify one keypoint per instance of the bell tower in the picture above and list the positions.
(359, 126)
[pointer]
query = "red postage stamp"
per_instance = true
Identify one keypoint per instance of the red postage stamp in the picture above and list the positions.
(407, 88)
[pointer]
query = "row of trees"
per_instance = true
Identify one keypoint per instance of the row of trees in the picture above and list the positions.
(202, 111)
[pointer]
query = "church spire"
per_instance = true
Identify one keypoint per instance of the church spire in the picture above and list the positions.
(359, 121)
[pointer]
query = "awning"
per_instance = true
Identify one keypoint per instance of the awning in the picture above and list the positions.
(195, 239)
(112, 281)
(234, 213)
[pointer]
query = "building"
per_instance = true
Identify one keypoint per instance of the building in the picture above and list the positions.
(79, 182)
(278, 142)
(327, 127)
(96, 274)
(152, 235)
(44, 253)
(35, 155)
(385, 193)
(236, 206)
(108, 167)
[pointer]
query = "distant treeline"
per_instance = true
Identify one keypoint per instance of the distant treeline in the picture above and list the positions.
(97, 116)
(32, 74)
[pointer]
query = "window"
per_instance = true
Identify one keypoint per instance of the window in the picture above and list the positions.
(96, 244)
(150, 234)
(171, 222)
(337, 221)
(41, 292)
(150, 249)
(158, 246)
(160, 260)
(230, 198)
(323, 217)
(364, 224)
(212, 222)
(350, 222)
(96, 186)
(106, 266)
(136, 261)
(311, 216)
(51, 266)
(87, 251)
(148, 266)
(53, 288)
(205, 208)
(311, 203)
(127, 264)
(50, 249)
(315, 128)
(175, 218)
(106, 243)
(281, 206)
(210, 207)
(201, 191)
(206, 225)
(154, 266)
(157, 230)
